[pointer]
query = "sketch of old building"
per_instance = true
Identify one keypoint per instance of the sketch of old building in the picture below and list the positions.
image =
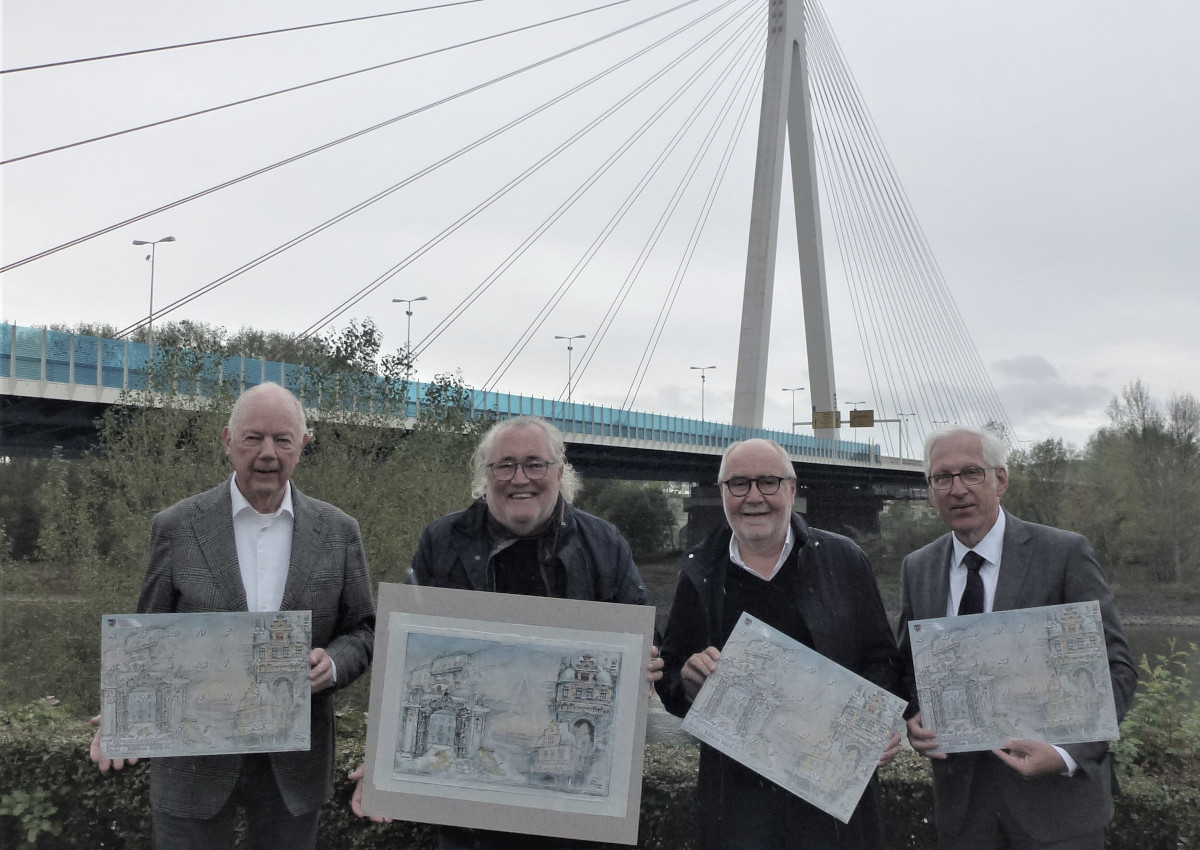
(491, 712)
(795, 717)
(582, 706)
(279, 672)
(186, 684)
(1039, 673)
(443, 712)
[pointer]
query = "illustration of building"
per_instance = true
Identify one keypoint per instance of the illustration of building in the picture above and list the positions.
(959, 696)
(140, 689)
(279, 683)
(582, 707)
(442, 711)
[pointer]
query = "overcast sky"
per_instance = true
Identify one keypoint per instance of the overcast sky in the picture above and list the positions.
(1048, 149)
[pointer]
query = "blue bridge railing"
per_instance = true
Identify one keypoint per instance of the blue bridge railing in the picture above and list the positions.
(61, 357)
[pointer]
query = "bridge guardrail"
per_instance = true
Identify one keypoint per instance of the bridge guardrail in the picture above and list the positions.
(60, 357)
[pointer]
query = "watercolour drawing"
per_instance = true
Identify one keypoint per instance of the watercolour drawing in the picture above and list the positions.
(511, 713)
(1034, 673)
(204, 684)
(795, 717)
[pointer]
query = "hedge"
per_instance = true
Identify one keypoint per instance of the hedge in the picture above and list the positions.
(52, 794)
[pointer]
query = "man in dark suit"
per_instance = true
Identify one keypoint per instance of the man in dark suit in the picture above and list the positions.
(815, 586)
(1030, 793)
(256, 543)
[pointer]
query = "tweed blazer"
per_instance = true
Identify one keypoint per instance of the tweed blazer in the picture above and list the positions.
(193, 567)
(1040, 565)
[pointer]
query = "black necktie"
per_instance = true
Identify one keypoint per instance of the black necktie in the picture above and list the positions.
(972, 598)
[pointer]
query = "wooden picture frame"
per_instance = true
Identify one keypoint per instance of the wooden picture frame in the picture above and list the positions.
(512, 713)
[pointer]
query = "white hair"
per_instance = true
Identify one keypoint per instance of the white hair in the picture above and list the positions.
(995, 452)
(568, 486)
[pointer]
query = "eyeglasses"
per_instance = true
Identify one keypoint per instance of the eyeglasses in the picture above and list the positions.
(768, 485)
(970, 476)
(504, 470)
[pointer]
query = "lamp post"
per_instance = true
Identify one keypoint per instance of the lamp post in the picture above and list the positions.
(702, 370)
(408, 302)
(570, 348)
(150, 322)
(903, 417)
(793, 391)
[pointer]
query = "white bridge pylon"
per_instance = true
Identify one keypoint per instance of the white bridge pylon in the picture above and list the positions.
(785, 107)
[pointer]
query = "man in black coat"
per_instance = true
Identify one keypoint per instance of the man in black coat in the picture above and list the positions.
(521, 535)
(816, 587)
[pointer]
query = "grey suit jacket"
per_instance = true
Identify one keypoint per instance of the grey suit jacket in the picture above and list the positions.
(1039, 566)
(193, 567)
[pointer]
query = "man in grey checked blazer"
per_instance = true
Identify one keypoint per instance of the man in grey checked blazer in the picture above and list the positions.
(1029, 794)
(194, 566)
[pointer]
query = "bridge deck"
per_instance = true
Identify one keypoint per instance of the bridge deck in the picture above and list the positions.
(85, 370)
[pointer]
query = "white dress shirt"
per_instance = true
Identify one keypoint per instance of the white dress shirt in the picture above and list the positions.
(991, 549)
(264, 548)
(735, 554)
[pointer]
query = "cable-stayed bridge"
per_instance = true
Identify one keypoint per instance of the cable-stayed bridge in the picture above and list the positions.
(588, 197)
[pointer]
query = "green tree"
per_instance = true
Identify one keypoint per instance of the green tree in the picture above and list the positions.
(1141, 494)
(640, 510)
(1042, 481)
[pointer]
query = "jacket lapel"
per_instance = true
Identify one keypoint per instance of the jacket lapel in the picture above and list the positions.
(936, 591)
(1015, 564)
(212, 522)
(308, 528)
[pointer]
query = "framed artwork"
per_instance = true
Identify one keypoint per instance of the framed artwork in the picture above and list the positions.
(513, 713)
(795, 717)
(204, 684)
(1034, 673)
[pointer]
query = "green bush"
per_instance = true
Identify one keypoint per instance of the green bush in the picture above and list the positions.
(48, 784)
(1160, 736)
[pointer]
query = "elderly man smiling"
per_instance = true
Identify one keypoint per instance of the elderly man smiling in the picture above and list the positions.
(521, 535)
(815, 586)
(256, 543)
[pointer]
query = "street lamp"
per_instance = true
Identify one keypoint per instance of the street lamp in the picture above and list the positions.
(903, 417)
(150, 322)
(408, 302)
(793, 391)
(570, 348)
(702, 370)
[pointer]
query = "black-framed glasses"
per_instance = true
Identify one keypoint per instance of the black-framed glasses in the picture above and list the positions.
(971, 476)
(504, 470)
(768, 485)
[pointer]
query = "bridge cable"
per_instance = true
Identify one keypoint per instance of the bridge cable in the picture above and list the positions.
(701, 221)
(311, 151)
(948, 338)
(373, 285)
(302, 86)
(378, 196)
(222, 39)
(186, 299)
(626, 205)
(606, 322)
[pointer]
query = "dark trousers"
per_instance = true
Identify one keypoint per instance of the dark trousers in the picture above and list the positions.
(269, 824)
(990, 824)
